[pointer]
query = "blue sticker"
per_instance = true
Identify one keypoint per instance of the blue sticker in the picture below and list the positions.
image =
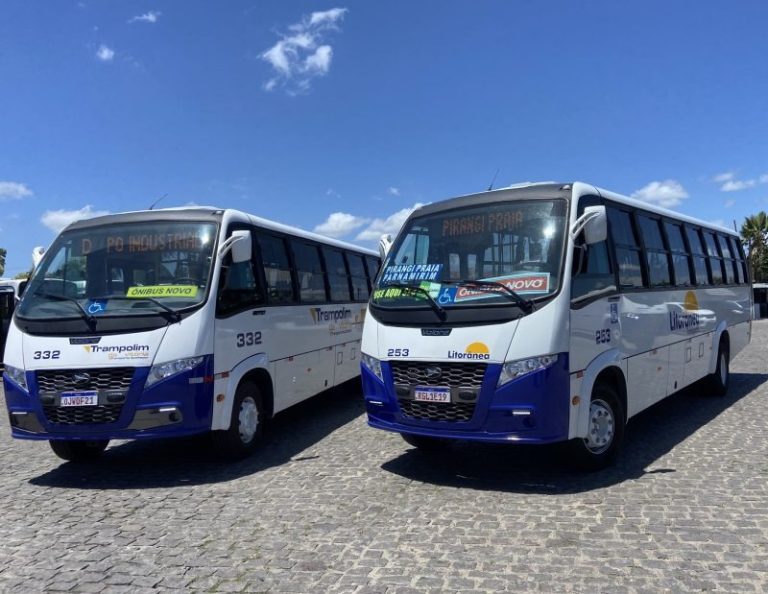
(614, 313)
(96, 307)
(447, 295)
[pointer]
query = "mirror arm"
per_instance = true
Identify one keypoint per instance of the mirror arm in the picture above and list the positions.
(227, 245)
(581, 223)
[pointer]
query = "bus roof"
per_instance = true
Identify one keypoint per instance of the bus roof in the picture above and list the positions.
(552, 190)
(214, 215)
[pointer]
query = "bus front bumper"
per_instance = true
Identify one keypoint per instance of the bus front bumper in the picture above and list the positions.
(177, 406)
(532, 409)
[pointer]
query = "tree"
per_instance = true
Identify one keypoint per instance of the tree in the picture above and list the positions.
(754, 234)
(2, 260)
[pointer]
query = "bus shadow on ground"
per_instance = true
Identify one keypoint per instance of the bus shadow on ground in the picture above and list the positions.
(163, 463)
(540, 469)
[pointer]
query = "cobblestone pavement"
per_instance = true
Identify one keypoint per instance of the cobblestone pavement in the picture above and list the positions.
(330, 505)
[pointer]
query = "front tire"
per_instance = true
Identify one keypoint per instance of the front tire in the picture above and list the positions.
(605, 433)
(79, 451)
(719, 381)
(246, 424)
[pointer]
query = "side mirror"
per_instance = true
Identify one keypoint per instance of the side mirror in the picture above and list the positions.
(594, 223)
(242, 246)
(385, 243)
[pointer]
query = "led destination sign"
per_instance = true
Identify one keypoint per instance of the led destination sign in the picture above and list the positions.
(492, 222)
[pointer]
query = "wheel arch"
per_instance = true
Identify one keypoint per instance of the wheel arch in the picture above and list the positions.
(255, 368)
(606, 367)
(720, 335)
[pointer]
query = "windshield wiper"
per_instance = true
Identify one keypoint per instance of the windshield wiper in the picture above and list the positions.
(174, 315)
(421, 291)
(91, 320)
(493, 286)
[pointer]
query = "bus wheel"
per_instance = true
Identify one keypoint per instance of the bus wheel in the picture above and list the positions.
(424, 443)
(605, 433)
(245, 425)
(79, 451)
(719, 380)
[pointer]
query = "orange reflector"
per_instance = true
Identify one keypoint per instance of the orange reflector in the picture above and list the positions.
(579, 374)
(219, 397)
(576, 400)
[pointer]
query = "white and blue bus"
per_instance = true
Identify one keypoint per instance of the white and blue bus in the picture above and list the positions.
(180, 321)
(548, 313)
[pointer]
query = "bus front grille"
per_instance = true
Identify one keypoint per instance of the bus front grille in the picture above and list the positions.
(105, 378)
(82, 415)
(451, 375)
(448, 412)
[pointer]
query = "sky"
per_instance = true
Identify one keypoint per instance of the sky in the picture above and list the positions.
(342, 116)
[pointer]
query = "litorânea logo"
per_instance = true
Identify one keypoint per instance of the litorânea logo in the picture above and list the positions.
(686, 321)
(477, 351)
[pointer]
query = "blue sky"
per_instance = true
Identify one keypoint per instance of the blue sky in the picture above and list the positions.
(341, 116)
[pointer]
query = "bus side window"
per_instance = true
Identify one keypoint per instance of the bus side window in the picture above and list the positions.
(277, 269)
(627, 248)
(360, 289)
(309, 270)
(338, 279)
(372, 264)
(596, 273)
(240, 290)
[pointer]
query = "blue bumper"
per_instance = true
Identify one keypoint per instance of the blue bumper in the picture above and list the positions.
(533, 409)
(177, 406)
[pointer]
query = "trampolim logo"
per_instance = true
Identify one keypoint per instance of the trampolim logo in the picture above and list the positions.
(123, 351)
(477, 351)
(330, 315)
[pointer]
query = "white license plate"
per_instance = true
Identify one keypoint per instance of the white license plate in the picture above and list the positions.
(422, 394)
(84, 398)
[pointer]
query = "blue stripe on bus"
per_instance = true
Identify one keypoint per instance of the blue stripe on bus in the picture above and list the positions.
(194, 400)
(500, 414)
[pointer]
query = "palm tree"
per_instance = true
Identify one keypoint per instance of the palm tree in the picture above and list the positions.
(754, 234)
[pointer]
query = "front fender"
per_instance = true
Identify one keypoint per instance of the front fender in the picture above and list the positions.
(222, 411)
(583, 386)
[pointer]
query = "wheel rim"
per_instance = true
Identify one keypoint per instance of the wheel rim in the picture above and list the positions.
(248, 419)
(723, 369)
(601, 427)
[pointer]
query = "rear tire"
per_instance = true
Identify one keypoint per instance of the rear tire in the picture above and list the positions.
(718, 381)
(424, 443)
(79, 451)
(605, 434)
(246, 424)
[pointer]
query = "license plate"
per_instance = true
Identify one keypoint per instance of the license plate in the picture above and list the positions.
(84, 398)
(422, 394)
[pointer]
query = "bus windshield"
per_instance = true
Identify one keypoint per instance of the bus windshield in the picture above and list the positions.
(491, 254)
(119, 270)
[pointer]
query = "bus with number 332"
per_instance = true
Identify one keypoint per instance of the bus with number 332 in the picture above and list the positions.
(175, 322)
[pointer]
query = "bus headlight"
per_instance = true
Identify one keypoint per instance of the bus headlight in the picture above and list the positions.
(166, 370)
(374, 365)
(17, 375)
(515, 369)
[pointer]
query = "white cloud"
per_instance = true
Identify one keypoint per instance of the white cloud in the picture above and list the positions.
(105, 54)
(393, 191)
(13, 191)
(300, 56)
(148, 17)
(729, 203)
(339, 224)
(390, 225)
(721, 178)
(667, 193)
(56, 220)
(764, 178)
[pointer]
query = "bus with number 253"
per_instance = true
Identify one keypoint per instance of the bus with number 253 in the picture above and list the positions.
(174, 322)
(547, 313)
